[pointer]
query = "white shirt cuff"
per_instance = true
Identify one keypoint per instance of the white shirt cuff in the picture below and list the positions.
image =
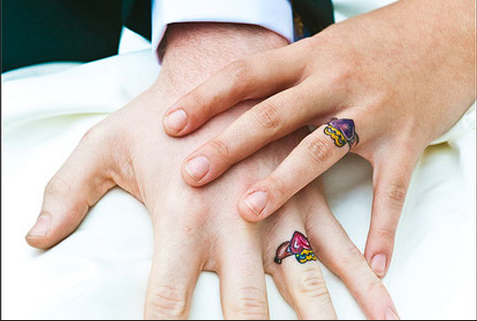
(275, 15)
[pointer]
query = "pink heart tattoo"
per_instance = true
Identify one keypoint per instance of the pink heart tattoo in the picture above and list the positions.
(297, 246)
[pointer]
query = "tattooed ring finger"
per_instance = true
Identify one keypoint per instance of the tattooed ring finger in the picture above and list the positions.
(342, 132)
(298, 246)
(298, 276)
(313, 156)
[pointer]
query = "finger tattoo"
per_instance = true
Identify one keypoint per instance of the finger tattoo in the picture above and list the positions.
(297, 246)
(342, 132)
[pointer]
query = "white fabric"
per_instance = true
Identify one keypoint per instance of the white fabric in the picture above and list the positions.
(275, 15)
(101, 271)
(131, 41)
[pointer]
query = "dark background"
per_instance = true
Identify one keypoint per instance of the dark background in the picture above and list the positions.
(37, 31)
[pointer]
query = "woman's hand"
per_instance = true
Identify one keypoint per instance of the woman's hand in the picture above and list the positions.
(395, 79)
(200, 229)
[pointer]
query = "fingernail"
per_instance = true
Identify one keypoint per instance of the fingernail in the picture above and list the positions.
(256, 201)
(41, 227)
(176, 120)
(197, 167)
(391, 315)
(378, 264)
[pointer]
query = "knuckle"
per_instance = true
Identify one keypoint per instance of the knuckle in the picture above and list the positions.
(279, 187)
(351, 259)
(198, 217)
(239, 70)
(386, 235)
(250, 303)
(396, 194)
(220, 148)
(90, 133)
(57, 185)
(197, 100)
(94, 133)
(379, 100)
(312, 284)
(267, 116)
(239, 73)
(318, 149)
(370, 287)
(189, 215)
(103, 136)
(344, 72)
(374, 286)
(167, 302)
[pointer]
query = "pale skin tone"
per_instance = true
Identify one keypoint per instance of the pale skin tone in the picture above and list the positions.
(404, 73)
(129, 149)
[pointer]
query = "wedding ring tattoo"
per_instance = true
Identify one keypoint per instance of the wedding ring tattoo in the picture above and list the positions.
(297, 246)
(342, 132)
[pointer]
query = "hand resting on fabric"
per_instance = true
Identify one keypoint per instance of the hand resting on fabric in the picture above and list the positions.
(201, 229)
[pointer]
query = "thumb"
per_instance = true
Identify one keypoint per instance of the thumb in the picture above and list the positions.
(391, 179)
(78, 185)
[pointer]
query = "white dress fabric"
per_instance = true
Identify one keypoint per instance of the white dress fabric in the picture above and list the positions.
(101, 271)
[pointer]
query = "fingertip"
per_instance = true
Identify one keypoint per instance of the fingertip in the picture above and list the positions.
(378, 253)
(52, 227)
(247, 214)
(32, 241)
(175, 122)
(40, 242)
(37, 242)
(378, 264)
(37, 237)
(42, 226)
(252, 206)
(194, 171)
(391, 314)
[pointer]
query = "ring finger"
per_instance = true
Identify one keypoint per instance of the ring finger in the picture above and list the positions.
(314, 155)
(242, 278)
(295, 270)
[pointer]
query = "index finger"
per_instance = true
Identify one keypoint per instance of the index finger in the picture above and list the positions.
(254, 77)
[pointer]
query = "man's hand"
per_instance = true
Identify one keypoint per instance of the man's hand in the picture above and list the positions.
(200, 229)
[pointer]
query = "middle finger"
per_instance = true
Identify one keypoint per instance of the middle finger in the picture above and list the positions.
(268, 121)
(242, 278)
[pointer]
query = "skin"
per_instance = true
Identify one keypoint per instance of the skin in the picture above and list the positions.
(404, 73)
(129, 149)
